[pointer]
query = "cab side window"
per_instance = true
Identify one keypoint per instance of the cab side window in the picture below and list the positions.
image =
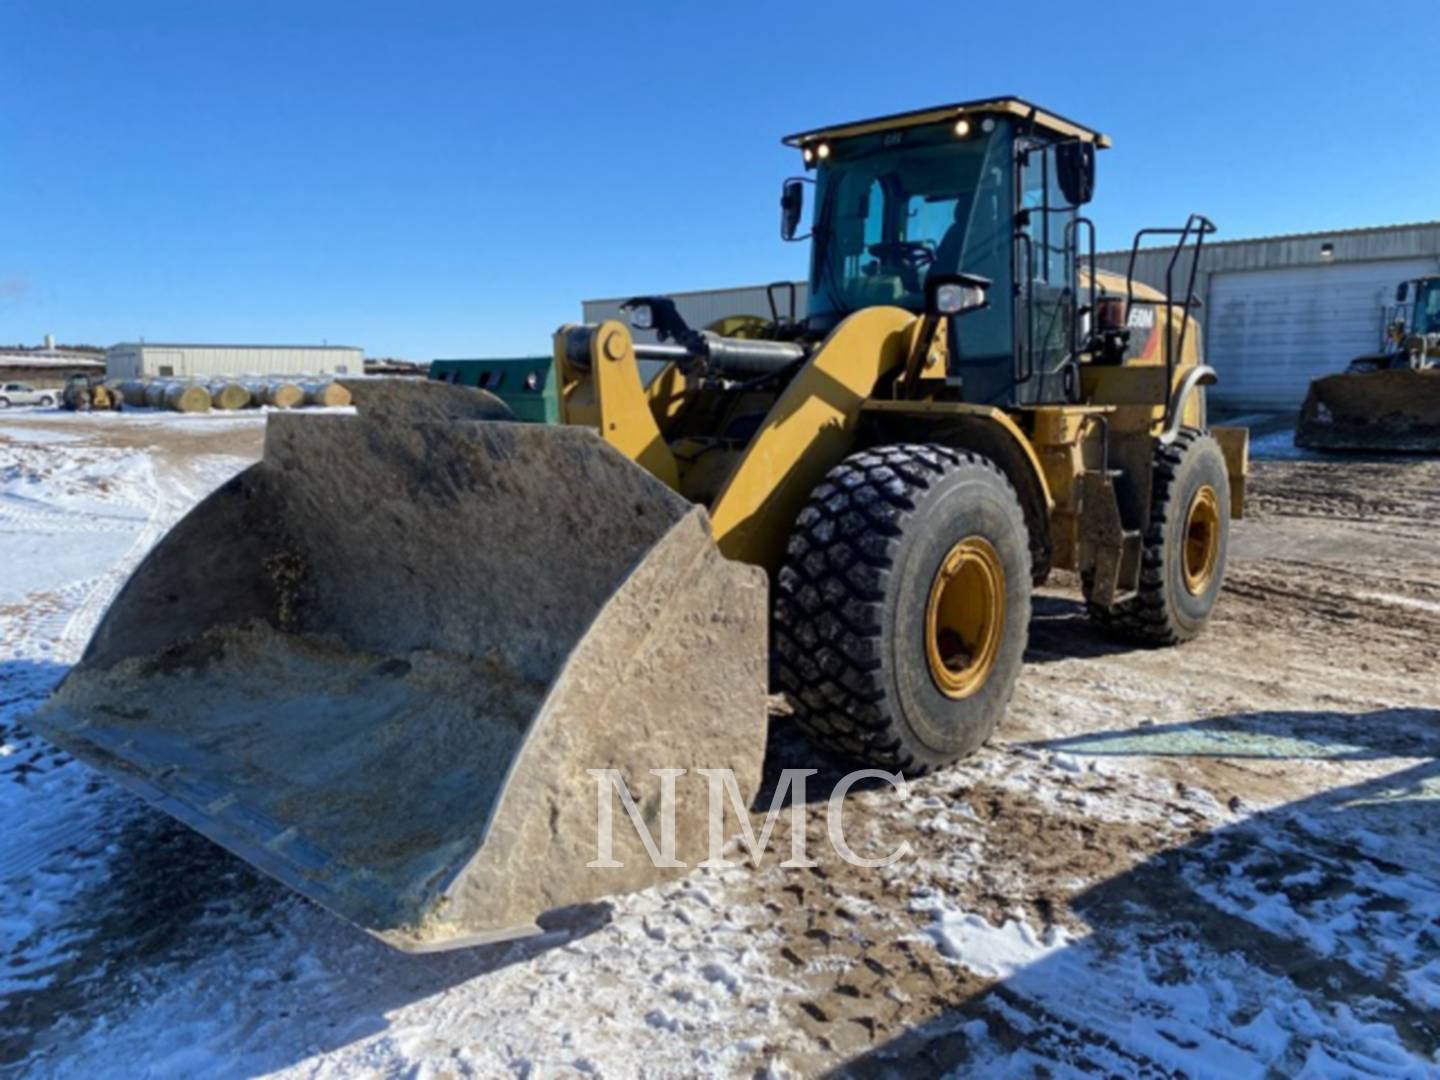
(1050, 218)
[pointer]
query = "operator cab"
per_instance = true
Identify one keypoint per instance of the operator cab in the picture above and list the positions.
(1425, 313)
(985, 188)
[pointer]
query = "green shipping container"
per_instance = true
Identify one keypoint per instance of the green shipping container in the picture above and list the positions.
(526, 384)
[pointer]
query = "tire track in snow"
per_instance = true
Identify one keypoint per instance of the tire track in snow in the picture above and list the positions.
(81, 624)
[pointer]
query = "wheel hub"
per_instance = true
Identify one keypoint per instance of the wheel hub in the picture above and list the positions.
(1202, 540)
(965, 617)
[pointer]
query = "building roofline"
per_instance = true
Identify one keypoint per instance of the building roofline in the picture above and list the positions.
(48, 360)
(1363, 230)
(222, 345)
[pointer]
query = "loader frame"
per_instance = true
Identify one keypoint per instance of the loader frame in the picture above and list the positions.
(1078, 469)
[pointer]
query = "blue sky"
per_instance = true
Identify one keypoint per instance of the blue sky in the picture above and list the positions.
(430, 179)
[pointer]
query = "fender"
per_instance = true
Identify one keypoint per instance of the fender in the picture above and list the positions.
(987, 430)
(1197, 376)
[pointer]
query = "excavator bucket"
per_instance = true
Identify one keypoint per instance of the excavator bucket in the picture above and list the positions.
(1397, 409)
(381, 664)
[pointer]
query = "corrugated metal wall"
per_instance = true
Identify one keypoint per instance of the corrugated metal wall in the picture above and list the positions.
(129, 361)
(44, 373)
(1277, 311)
(1272, 331)
(122, 362)
(1267, 253)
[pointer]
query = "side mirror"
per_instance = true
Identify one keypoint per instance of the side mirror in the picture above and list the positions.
(792, 207)
(1075, 171)
(956, 294)
(1403, 292)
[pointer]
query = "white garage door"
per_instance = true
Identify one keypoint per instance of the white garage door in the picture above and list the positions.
(1269, 332)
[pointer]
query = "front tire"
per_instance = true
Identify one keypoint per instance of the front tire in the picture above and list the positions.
(903, 608)
(1186, 544)
(47, 402)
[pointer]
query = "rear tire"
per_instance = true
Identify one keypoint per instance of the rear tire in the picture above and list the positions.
(1183, 564)
(47, 402)
(4, 402)
(903, 608)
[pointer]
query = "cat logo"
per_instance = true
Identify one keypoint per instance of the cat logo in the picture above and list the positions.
(1142, 317)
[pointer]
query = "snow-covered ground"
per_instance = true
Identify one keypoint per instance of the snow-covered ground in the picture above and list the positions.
(1222, 860)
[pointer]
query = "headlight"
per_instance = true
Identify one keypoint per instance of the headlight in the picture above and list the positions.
(962, 129)
(642, 318)
(952, 299)
(823, 151)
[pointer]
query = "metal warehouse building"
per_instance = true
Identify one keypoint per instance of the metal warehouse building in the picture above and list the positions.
(47, 369)
(1277, 310)
(1280, 310)
(138, 359)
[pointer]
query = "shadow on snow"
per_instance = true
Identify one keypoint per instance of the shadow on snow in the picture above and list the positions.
(1330, 902)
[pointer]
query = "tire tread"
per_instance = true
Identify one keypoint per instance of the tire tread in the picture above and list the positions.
(831, 591)
(1146, 618)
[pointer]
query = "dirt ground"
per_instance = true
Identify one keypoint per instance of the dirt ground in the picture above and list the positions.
(1219, 859)
(1315, 679)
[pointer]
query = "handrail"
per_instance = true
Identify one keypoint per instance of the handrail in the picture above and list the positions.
(1072, 230)
(1197, 226)
(1029, 365)
(775, 308)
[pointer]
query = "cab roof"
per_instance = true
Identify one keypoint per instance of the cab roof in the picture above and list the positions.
(1047, 121)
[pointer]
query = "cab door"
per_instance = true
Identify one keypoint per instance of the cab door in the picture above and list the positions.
(1044, 276)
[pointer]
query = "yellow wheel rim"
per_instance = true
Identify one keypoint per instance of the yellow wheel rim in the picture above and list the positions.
(965, 618)
(1202, 540)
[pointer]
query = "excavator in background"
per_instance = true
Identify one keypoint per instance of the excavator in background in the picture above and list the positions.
(390, 663)
(1390, 399)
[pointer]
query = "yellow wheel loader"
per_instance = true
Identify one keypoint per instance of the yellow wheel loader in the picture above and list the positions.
(1388, 400)
(407, 661)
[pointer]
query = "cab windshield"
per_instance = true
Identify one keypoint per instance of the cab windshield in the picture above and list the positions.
(1427, 307)
(895, 207)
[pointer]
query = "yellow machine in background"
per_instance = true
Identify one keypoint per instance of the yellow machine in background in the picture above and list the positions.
(84, 393)
(1388, 400)
(385, 663)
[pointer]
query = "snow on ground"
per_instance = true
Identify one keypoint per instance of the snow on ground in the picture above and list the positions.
(1281, 445)
(75, 517)
(998, 952)
(1214, 861)
(19, 434)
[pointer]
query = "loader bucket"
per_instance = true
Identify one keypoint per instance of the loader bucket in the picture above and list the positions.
(379, 663)
(1397, 409)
